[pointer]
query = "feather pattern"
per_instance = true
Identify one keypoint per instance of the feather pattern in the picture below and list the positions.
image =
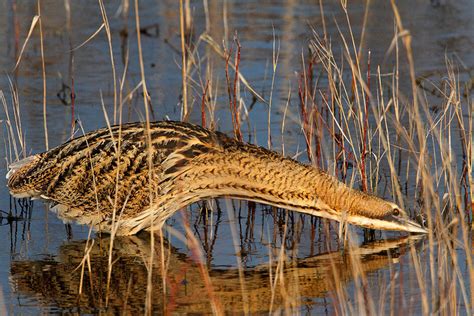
(113, 180)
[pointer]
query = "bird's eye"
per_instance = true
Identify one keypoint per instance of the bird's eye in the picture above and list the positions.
(396, 212)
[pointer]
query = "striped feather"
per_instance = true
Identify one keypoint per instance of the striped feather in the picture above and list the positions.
(112, 179)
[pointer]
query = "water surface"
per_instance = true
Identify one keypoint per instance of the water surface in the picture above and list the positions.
(39, 258)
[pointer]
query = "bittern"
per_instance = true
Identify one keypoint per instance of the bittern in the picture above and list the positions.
(127, 178)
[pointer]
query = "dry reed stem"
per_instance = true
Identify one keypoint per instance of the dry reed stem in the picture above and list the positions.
(88, 247)
(113, 203)
(43, 73)
(13, 135)
(148, 303)
(91, 37)
(184, 72)
(30, 32)
(283, 120)
(111, 54)
(117, 145)
(275, 55)
(235, 239)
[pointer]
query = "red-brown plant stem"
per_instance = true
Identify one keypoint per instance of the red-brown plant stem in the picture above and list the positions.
(16, 27)
(464, 174)
(203, 105)
(236, 80)
(304, 114)
(232, 89)
(310, 71)
(227, 54)
(317, 134)
(324, 123)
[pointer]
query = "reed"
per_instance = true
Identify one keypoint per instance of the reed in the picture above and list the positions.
(437, 134)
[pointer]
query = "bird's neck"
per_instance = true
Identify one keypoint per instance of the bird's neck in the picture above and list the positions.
(270, 179)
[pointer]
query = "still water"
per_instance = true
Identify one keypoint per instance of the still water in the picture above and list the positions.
(41, 261)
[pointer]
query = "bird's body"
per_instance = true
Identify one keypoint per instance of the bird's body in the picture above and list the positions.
(127, 178)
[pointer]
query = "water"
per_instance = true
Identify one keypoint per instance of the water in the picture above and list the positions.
(38, 258)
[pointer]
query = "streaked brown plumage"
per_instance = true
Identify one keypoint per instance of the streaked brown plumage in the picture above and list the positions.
(89, 177)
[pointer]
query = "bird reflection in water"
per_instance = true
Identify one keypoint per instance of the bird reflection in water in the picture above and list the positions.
(54, 283)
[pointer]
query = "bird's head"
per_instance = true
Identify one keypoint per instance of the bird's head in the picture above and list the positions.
(384, 215)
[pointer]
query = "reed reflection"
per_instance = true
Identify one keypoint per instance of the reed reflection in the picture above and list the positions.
(55, 282)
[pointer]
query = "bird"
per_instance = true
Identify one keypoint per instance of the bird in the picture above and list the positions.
(123, 179)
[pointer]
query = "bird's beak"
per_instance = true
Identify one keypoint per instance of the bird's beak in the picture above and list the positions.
(414, 227)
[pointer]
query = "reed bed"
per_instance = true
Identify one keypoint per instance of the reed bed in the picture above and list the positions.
(356, 122)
